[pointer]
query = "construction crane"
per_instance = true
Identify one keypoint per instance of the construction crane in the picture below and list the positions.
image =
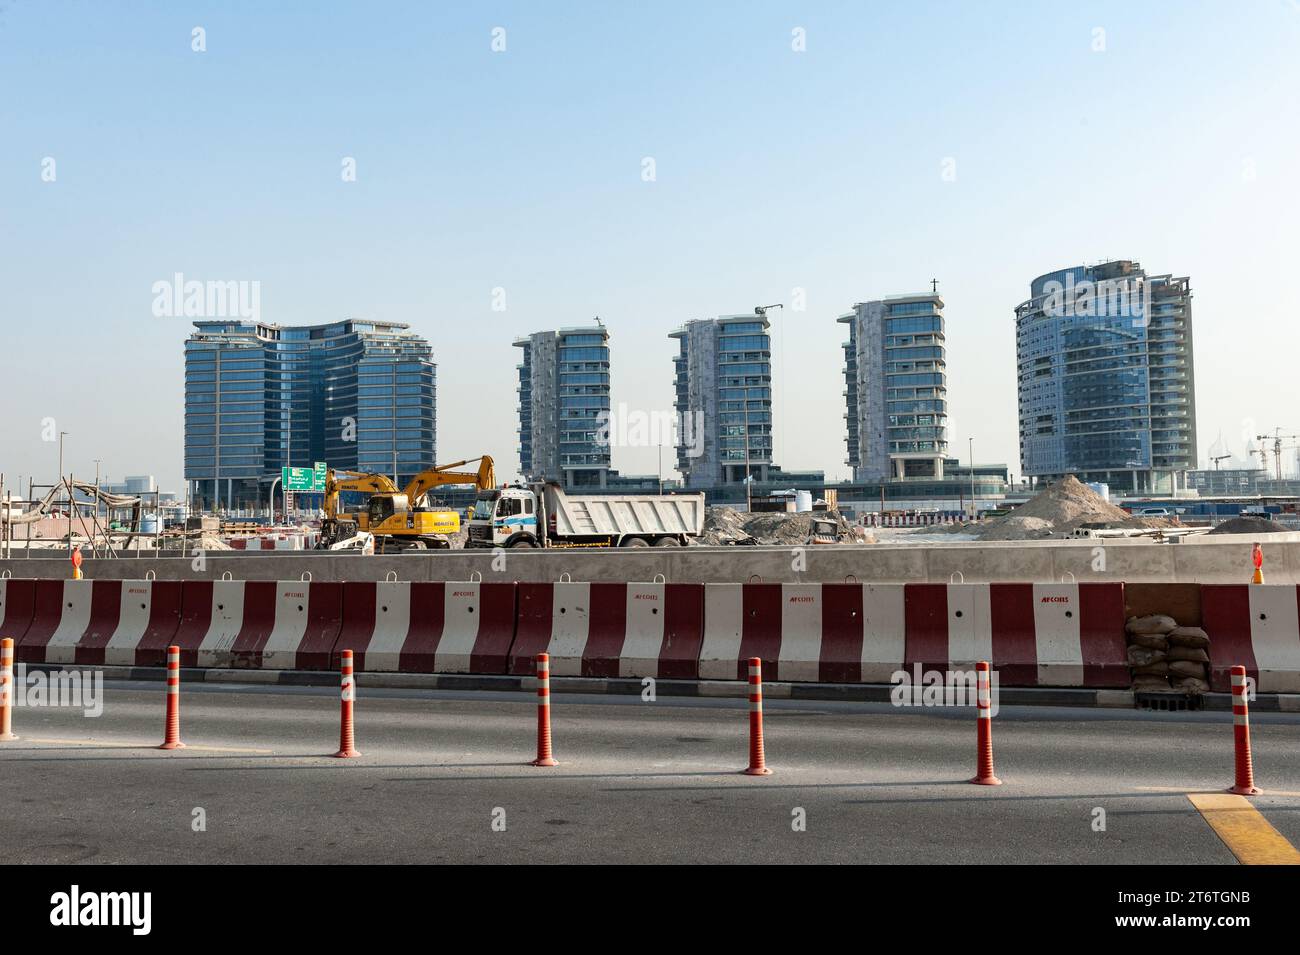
(1262, 451)
(1277, 438)
(1216, 458)
(399, 520)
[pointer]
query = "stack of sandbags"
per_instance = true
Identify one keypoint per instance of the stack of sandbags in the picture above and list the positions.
(1189, 659)
(1166, 657)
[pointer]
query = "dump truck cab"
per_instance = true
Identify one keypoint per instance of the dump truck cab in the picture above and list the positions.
(505, 517)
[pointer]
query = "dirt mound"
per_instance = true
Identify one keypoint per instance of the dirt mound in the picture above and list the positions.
(726, 525)
(1017, 527)
(1250, 525)
(1056, 511)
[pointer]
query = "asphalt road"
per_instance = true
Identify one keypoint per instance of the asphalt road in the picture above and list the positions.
(637, 782)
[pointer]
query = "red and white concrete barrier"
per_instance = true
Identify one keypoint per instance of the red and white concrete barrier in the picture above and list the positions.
(830, 633)
(106, 622)
(445, 627)
(1069, 635)
(274, 625)
(17, 600)
(1256, 626)
(610, 629)
(1035, 634)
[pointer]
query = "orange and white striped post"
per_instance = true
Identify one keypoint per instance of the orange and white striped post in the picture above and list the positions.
(757, 758)
(172, 732)
(544, 755)
(1245, 784)
(984, 775)
(7, 689)
(347, 733)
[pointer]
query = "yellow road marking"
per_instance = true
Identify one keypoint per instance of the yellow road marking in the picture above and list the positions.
(99, 742)
(1250, 836)
(1183, 789)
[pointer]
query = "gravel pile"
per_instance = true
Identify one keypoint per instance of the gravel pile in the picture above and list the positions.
(1250, 525)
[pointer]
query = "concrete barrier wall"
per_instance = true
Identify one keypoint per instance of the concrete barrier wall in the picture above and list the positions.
(1035, 634)
(1069, 635)
(1220, 560)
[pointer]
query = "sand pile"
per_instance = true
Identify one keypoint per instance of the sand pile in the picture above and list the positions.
(1055, 512)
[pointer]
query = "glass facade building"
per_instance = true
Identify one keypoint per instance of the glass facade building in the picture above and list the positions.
(723, 382)
(1105, 379)
(564, 406)
(896, 388)
(357, 395)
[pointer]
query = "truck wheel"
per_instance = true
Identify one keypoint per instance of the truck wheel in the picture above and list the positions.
(521, 542)
(668, 542)
(634, 542)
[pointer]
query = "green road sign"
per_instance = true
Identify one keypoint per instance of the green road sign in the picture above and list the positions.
(298, 479)
(310, 480)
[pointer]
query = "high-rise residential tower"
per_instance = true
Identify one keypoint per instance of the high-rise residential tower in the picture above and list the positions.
(564, 406)
(724, 400)
(896, 388)
(1105, 379)
(356, 395)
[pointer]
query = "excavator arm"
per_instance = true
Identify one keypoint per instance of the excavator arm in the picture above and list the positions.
(484, 478)
(339, 481)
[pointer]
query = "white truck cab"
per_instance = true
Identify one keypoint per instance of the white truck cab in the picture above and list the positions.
(504, 517)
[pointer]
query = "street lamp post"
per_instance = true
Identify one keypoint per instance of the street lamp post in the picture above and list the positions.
(62, 434)
(974, 511)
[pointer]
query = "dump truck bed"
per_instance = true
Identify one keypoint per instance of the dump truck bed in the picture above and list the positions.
(577, 515)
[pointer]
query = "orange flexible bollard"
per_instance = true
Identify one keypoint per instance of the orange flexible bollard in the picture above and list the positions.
(1245, 782)
(757, 756)
(347, 734)
(984, 775)
(7, 689)
(172, 732)
(544, 755)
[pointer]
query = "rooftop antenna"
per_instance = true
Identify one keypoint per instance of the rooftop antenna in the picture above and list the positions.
(934, 286)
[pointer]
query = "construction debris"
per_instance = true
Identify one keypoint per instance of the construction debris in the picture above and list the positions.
(726, 525)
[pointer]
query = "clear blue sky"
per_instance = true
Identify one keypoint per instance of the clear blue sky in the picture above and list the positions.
(1178, 145)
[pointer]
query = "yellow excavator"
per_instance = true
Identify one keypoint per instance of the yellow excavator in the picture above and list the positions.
(399, 520)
